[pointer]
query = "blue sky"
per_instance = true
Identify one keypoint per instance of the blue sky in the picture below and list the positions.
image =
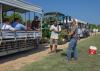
(86, 10)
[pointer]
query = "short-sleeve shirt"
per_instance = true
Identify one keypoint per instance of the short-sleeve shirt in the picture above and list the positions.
(75, 30)
(54, 35)
(35, 24)
(7, 27)
(20, 27)
(14, 24)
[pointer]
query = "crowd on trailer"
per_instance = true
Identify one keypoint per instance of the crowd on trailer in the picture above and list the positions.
(16, 36)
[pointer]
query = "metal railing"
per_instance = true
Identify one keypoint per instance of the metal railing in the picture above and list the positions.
(17, 35)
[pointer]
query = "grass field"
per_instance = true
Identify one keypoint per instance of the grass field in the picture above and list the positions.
(58, 62)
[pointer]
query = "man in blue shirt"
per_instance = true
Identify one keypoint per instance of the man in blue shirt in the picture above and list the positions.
(17, 25)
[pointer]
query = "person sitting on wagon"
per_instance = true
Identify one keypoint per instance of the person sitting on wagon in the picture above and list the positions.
(6, 25)
(17, 25)
(35, 23)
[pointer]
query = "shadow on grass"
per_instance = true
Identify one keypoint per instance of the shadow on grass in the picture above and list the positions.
(59, 50)
(63, 54)
(17, 55)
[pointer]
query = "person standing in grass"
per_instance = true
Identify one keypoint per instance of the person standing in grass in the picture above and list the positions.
(55, 29)
(72, 48)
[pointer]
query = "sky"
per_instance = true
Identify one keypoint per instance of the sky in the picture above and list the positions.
(85, 10)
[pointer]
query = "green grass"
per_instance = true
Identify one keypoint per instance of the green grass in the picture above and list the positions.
(58, 62)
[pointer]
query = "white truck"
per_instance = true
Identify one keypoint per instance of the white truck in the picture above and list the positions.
(12, 42)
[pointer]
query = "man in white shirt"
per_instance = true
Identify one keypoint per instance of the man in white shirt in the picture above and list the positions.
(6, 25)
(55, 29)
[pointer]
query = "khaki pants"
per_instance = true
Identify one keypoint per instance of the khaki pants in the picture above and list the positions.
(53, 41)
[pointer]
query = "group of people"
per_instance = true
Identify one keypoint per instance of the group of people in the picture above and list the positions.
(55, 29)
(72, 48)
(83, 32)
(17, 25)
(94, 31)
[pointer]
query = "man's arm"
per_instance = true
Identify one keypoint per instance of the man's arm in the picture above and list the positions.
(51, 28)
(11, 28)
(24, 27)
(72, 31)
(59, 29)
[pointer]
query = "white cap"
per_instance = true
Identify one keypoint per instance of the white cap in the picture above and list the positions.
(93, 47)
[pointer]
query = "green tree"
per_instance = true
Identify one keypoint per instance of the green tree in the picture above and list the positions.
(92, 26)
(98, 26)
(15, 15)
(5, 15)
(12, 16)
(45, 30)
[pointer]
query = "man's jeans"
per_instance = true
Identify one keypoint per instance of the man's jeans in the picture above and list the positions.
(72, 50)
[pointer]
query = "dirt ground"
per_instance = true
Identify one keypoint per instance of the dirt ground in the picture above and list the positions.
(15, 61)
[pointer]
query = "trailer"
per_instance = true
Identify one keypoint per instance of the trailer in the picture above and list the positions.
(13, 42)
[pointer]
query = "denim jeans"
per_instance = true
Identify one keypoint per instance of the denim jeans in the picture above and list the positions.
(72, 49)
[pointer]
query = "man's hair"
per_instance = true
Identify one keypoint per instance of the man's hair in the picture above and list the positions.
(6, 20)
(16, 19)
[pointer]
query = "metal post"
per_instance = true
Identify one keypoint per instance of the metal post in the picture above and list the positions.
(32, 26)
(34, 14)
(25, 31)
(26, 26)
(1, 22)
(29, 17)
(25, 20)
(42, 15)
(14, 14)
(13, 21)
(1, 13)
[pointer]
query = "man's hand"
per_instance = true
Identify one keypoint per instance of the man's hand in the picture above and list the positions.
(52, 30)
(56, 31)
(70, 33)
